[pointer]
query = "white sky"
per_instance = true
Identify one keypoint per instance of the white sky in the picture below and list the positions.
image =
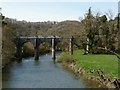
(39, 10)
(59, 0)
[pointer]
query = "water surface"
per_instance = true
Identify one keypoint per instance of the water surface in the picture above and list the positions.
(41, 74)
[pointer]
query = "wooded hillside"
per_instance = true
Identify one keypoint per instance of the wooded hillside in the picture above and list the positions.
(101, 30)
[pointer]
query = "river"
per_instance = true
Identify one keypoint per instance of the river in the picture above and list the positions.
(41, 74)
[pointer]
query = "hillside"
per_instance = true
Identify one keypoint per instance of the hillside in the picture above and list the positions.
(66, 29)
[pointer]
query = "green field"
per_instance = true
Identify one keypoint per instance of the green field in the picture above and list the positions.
(107, 63)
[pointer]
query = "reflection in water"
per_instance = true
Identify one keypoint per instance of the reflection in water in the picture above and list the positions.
(36, 62)
(41, 74)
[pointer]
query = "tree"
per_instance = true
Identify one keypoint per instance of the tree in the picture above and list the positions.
(89, 23)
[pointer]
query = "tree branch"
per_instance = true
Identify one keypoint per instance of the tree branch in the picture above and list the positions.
(110, 52)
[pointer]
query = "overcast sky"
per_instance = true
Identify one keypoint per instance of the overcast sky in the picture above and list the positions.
(54, 11)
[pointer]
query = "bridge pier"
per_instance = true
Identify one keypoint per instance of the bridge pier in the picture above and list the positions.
(36, 53)
(36, 49)
(53, 49)
(19, 53)
(71, 46)
(19, 50)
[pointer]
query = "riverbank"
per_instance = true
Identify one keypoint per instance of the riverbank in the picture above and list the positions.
(100, 68)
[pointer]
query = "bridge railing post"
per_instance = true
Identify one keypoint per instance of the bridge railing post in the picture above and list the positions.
(53, 48)
(71, 46)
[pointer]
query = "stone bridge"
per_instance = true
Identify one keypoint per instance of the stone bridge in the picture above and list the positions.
(36, 41)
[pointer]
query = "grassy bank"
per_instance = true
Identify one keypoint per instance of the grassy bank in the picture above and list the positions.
(108, 64)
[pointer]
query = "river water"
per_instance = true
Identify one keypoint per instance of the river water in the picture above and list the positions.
(41, 74)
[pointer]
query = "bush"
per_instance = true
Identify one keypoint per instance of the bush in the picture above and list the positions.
(66, 57)
(44, 48)
(28, 50)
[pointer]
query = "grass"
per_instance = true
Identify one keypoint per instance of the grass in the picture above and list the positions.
(107, 63)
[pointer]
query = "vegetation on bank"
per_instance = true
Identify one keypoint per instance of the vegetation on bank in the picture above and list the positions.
(8, 47)
(108, 64)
